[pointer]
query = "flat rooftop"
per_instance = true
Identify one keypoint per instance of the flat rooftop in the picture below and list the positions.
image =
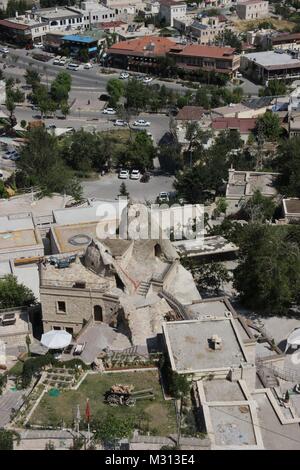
(204, 246)
(232, 425)
(272, 60)
(212, 308)
(222, 390)
(67, 277)
(18, 239)
(189, 346)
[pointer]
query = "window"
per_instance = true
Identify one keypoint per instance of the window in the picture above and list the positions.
(56, 328)
(61, 306)
(70, 330)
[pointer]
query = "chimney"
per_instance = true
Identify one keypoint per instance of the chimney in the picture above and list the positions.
(215, 342)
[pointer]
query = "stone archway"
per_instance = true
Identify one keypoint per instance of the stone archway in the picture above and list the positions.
(98, 313)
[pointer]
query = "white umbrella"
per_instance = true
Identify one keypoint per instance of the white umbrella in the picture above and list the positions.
(56, 339)
(293, 339)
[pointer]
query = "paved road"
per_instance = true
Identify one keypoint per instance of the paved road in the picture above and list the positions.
(108, 187)
(8, 401)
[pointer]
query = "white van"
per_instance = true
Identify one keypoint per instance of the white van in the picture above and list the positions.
(73, 66)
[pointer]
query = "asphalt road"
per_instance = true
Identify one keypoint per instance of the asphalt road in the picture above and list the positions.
(108, 188)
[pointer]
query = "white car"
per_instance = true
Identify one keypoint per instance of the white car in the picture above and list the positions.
(4, 50)
(124, 75)
(38, 45)
(88, 66)
(135, 175)
(141, 123)
(239, 75)
(147, 80)
(62, 61)
(123, 175)
(109, 111)
(120, 123)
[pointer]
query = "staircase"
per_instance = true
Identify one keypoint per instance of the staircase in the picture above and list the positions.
(143, 288)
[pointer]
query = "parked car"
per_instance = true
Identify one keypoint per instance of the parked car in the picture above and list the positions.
(4, 50)
(135, 175)
(123, 175)
(8, 319)
(124, 75)
(120, 123)
(73, 67)
(56, 60)
(109, 111)
(51, 126)
(147, 79)
(239, 75)
(88, 66)
(62, 61)
(141, 123)
(163, 197)
(38, 45)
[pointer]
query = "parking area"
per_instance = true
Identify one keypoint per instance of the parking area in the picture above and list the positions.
(108, 187)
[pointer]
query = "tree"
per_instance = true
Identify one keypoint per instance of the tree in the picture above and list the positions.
(23, 124)
(222, 205)
(269, 126)
(3, 192)
(115, 89)
(83, 151)
(268, 275)
(211, 276)
(288, 164)
(65, 108)
(10, 106)
(32, 77)
(274, 87)
(41, 164)
(140, 152)
(137, 95)
(258, 208)
(229, 38)
(61, 87)
(28, 343)
(7, 439)
(111, 428)
(123, 190)
(13, 294)
(170, 158)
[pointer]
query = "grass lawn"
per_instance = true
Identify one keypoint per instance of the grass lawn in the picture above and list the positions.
(157, 416)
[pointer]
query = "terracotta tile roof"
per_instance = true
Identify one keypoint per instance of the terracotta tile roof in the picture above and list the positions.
(190, 113)
(286, 37)
(244, 125)
(148, 45)
(13, 25)
(196, 50)
(111, 24)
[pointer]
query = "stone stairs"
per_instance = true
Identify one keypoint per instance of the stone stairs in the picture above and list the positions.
(143, 288)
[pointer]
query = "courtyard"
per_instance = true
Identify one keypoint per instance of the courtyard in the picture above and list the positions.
(155, 416)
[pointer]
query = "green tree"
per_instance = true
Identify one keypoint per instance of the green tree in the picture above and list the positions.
(7, 439)
(288, 164)
(258, 208)
(222, 205)
(269, 126)
(10, 106)
(268, 275)
(211, 276)
(137, 95)
(140, 152)
(111, 428)
(32, 77)
(3, 192)
(41, 164)
(123, 190)
(13, 294)
(23, 124)
(274, 87)
(229, 38)
(65, 108)
(115, 89)
(61, 87)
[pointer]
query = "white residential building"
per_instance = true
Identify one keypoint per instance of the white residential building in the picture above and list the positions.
(252, 9)
(171, 10)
